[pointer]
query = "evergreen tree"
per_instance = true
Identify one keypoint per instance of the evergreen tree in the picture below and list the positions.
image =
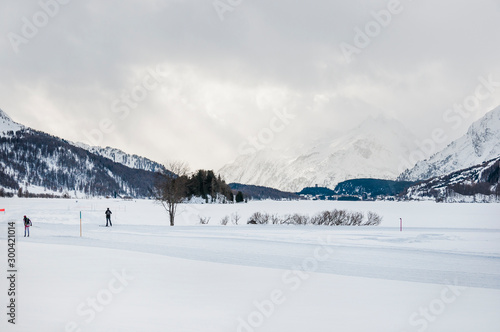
(239, 197)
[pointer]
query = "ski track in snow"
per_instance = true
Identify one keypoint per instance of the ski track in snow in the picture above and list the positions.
(208, 278)
(404, 264)
(465, 256)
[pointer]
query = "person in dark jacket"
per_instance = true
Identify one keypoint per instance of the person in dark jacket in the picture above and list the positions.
(108, 217)
(27, 224)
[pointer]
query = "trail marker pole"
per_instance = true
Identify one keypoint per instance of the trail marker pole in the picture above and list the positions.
(80, 223)
(400, 224)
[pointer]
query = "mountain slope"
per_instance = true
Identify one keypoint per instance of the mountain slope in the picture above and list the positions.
(34, 160)
(260, 192)
(371, 150)
(462, 186)
(479, 144)
(7, 125)
(118, 156)
(371, 187)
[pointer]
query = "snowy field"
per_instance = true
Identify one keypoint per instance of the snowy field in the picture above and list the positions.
(442, 273)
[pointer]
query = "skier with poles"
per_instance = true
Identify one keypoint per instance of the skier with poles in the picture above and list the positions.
(27, 224)
(108, 217)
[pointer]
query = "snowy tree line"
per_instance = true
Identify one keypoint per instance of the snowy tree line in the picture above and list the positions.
(175, 186)
(205, 184)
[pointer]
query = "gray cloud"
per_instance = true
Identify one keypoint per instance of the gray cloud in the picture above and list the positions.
(224, 80)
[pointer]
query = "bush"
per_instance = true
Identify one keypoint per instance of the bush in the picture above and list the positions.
(355, 219)
(275, 220)
(297, 219)
(204, 220)
(259, 218)
(373, 219)
(325, 218)
(339, 218)
(255, 218)
(322, 218)
(224, 221)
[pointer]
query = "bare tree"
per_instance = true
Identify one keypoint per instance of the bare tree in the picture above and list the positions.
(299, 219)
(275, 220)
(224, 221)
(235, 217)
(323, 218)
(256, 218)
(171, 187)
(355, 218)
(339, 218)
(373, 219)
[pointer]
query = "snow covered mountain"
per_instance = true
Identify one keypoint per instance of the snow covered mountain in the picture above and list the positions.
(371, 150)
(7, 125)
(118, 156)
(479, 144)
(476, 183)
(42, 164)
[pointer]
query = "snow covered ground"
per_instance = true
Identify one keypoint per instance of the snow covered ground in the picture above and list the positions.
(442, 273)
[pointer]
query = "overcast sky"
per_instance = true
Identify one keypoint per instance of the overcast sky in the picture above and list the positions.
(192, 80)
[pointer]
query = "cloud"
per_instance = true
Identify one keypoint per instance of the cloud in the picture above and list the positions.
(227, 78)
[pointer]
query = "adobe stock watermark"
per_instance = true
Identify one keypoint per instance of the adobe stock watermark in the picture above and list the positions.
(292, 280)
(372, 29)
(459, 112)
(225, 6)
(429, 313)
(31, 26)
(128, 101)
(266, 135)
(455, 116)
(89, 309)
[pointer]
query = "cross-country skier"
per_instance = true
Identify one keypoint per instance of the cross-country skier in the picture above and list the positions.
(27, 224)
(108, 217)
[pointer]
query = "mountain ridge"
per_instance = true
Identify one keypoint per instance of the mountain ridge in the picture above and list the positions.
(480, 143)
(45, 164)
(373, 149)
(7, 124)
(121, 157)
(476, 183)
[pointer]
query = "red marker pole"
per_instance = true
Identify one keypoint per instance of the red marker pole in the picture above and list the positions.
(400, 224)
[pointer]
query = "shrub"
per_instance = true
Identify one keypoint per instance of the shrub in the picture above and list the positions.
(275, 220)
(355, 219)
(224, 221)
(325, 218)
(204, 220)
(373, 219)
(259, 218)
(339, 218)
(235, 217)
(299, 219)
